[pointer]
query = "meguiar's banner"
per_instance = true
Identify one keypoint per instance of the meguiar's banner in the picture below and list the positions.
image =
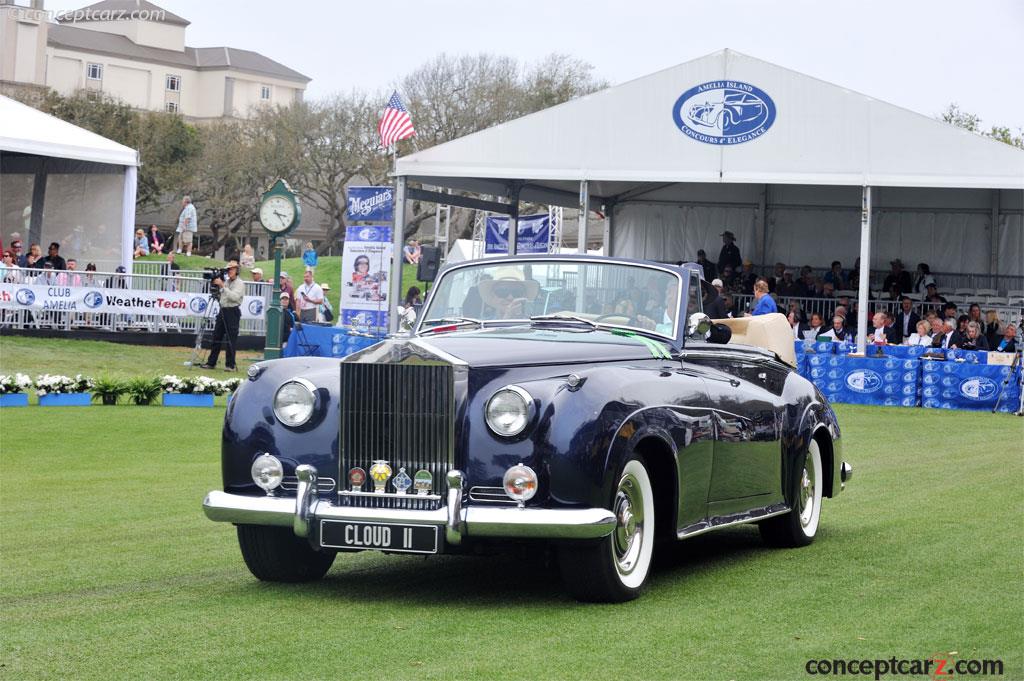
(370, 204)
(94, 299)
(365, 272)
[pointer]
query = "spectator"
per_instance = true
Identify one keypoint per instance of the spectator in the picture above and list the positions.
(90, 277)
(287, 318)
(949, 311)
(906, 318)
(710, 271)
(765, 303)
(309, 258)
(407, 310)
(937, 325)
(805, 287)
(932, 295)
(247, 259)
(815, 328)
(52, 258)
(975, 339)
(308, 297)
(714, 306)
(923, 278)
(948, 337)
(324, 311)
(920, 336)
(19, 258)
(730, 306)
(257, 274)
(776, 278)
(794, 325)
(71, 277)
(411, 252)
(156, 240)
(961, 325)
(729, 256)
(993, 328)
(287, 287)
(728, 278)
(1009, 340)
(787, 287)
(878, 336)
(899, 281)
(747, 278)
(795, 307)
(225, 331)
(188, 225)
(835, 276)
(827, 290)
(853, 278)
(141, 244)
(9, 272)
(892, 334)
(838, 332)
(974, 314)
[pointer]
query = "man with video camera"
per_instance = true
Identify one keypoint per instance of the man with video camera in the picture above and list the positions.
(230, 294)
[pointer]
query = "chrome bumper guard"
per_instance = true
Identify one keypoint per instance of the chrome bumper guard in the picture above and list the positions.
(302, 512)
(845, 474)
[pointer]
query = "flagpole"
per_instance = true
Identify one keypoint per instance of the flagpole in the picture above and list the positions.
(397, 239)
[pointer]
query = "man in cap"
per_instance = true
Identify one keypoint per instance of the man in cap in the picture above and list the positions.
(232, 293)
(729, 256)
(710, 271)
(257, 274)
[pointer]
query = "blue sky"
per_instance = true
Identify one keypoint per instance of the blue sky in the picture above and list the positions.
(918, 54)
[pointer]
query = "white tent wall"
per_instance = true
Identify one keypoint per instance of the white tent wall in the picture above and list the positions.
(1011, 244)
(669, 232)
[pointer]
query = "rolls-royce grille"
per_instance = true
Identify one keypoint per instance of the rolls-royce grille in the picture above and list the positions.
(402, 414)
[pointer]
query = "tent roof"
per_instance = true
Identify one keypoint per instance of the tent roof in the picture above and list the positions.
(823, 134)
(29, 131)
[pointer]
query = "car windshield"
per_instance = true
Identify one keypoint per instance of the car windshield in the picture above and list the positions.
(631, 296)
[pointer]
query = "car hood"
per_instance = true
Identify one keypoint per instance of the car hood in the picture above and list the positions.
(516, 346)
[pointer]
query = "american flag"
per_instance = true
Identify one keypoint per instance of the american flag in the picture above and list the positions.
(395, 124)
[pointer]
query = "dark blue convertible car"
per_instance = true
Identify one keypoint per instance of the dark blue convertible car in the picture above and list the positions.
(583, 405)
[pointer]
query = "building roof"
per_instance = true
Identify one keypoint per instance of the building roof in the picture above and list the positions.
(633, 133)
(198, 58)
(117, 10)
(29, 131)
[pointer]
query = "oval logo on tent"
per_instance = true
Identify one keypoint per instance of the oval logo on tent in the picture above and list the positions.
(724, 112)
(979, 388)
(25, 296)
(863, 381)
(93, 299)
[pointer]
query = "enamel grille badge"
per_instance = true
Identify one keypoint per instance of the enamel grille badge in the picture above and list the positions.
(380, 472)
(423, 482)
(356, 478)
(402, 481)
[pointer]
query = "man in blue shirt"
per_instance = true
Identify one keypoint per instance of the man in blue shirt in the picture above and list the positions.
(765, 303)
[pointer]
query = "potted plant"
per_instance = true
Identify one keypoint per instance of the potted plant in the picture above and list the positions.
(191, 391)
(55, 390)
(144, 391)
(13, 390)
(107, 389)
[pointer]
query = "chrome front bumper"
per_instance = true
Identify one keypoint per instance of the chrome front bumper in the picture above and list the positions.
(306, 509)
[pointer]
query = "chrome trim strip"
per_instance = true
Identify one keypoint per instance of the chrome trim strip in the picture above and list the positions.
(450, 358)
(718, 522)
(539, 523)
(390, 495)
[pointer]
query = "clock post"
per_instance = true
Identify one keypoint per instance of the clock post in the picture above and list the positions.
(279, 214)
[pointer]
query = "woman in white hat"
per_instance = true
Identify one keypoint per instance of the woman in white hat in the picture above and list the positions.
(324, 311)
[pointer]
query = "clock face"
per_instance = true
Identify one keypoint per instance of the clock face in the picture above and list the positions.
(277, 214)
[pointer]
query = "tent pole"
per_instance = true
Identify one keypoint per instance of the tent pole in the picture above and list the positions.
(993, 259)
(762, 228)
(609, 209)
(581, 246)
(865, 271)
(513, 225)
(397, 259)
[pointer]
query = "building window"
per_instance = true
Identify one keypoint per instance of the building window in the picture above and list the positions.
(94, 71)
(265, 93)
(174, 83)
(172, 107)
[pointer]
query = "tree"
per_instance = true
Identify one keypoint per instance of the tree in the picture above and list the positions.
(972, 122)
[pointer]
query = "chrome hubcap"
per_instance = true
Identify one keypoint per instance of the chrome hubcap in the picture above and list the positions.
(807, 491)
(627, 539)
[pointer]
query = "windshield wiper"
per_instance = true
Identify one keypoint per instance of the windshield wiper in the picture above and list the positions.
(564, 318)
(448, 322)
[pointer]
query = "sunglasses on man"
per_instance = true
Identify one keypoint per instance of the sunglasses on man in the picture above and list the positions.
(515, 290)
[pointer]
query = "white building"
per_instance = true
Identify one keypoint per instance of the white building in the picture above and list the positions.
(135, 51)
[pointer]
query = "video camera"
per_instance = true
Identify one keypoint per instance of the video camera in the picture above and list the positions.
(211, 273)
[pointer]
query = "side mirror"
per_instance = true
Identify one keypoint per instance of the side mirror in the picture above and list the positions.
(698, 325)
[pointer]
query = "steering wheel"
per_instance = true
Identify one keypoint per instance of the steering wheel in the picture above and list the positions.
(632, 321)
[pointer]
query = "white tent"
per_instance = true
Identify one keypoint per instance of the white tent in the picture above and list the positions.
(63, 183)
(658, 157)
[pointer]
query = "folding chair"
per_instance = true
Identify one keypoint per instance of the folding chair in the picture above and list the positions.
(306, 349)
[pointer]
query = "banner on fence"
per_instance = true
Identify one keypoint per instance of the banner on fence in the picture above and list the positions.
(864, 380)
(370, 204)
(534, 234)
(95, 300)
(968, 385)
(365, 272)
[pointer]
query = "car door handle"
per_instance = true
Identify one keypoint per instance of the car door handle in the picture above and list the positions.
(734, 383)
(763, 376)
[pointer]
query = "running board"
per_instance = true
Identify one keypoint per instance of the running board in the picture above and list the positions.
(718, 522)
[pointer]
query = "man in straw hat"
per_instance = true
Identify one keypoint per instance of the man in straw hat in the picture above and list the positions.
(232, 292)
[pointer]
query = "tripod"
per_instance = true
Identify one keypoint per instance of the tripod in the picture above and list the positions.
(1006, 384)
(197, 349)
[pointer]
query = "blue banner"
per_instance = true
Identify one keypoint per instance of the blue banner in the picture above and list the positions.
(370, 204)
(365, 273)
(534, 233)
(965, 385)
(324, 341)
(890, 381)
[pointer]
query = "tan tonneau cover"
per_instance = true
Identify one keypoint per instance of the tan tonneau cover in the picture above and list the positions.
(769, 331)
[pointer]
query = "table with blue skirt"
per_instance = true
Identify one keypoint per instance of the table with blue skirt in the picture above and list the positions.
(313, 340)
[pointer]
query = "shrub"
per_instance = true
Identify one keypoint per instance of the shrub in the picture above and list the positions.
(143, 391)
(108, 389)
(18, 383)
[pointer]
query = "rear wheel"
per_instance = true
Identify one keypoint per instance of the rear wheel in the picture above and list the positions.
(800, 524)
(275, 554)
(615, 569)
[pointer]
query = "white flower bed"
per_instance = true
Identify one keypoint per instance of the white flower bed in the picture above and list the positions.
(198, 385)
(56, 384)
(18, 383)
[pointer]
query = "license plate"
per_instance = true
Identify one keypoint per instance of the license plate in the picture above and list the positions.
(339, 534)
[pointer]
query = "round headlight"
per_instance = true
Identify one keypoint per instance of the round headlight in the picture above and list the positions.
(267, 471)
(520, 483)
(509, 410)
(294, 402)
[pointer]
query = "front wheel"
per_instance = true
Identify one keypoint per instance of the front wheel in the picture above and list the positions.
(800, 524)
(275, 554)
(615, 569)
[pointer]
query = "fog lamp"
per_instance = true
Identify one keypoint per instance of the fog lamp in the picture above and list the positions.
(267, 472)
(520, 483)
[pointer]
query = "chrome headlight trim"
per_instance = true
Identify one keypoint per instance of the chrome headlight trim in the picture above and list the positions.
(525, 418)
(311, 389)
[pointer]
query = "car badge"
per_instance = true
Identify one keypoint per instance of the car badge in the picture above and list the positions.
(357, 477)
(402, 481)
(423, 482)
(380, 471)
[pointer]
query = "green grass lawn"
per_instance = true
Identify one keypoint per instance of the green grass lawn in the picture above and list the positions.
(109, 569)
